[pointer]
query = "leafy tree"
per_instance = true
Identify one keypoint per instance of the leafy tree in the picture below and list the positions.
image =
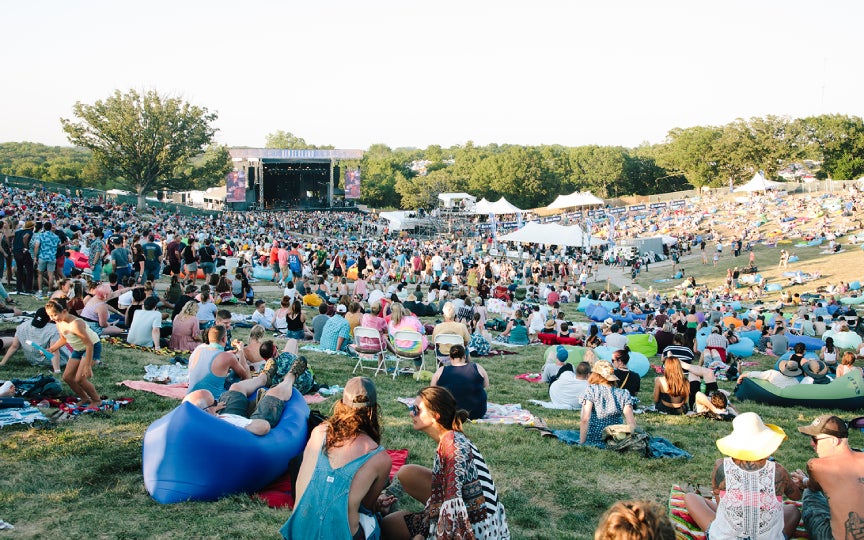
(839, 141)
(381, 170)
(691, 153)
(600, 169)
(148, 141)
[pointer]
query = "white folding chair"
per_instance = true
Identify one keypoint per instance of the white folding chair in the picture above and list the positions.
(446, 339)
(370, 347)
(413, 340)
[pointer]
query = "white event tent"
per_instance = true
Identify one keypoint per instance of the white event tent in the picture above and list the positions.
(552, 233)
(575, 200)
(501, 206)
(758, 183)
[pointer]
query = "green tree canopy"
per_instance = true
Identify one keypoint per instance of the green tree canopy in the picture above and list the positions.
(286, 139)
(149, 141)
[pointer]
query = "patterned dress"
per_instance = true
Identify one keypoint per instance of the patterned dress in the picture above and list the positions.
(607, 409)
(464, 503)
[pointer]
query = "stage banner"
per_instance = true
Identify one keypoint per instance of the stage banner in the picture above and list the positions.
(352, 184)
(235, 186)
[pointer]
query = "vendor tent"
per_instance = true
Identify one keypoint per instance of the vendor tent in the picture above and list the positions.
(552, 233)
(759, 183)
(575, 200)
(482, 206)
(503, 206)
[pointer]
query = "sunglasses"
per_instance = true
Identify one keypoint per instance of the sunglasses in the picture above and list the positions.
(413, 410)
(211, 405)
(815, 440)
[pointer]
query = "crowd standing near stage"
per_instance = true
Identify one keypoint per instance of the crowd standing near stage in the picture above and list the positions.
(352, 267)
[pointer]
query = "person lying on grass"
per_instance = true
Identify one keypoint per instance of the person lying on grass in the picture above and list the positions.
(233, 405)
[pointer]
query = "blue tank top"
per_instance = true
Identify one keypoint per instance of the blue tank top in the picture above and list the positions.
(201, 377)
(466, 385)
(322, 512)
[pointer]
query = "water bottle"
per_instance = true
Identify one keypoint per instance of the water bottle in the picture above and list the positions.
(39, 348)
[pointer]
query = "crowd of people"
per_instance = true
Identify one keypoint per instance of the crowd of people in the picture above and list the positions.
(347, 266)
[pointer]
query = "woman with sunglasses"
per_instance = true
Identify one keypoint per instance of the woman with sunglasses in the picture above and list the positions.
(461, 500)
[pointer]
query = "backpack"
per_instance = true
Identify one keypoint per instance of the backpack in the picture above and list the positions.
(621, 438)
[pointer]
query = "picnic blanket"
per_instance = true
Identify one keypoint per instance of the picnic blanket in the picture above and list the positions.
(530, 377)
(176, 391)
(317, 348)
(24, 415)
(166, 373)
(659, 447)
(551, 405)
(511, 413)
(495, 352)
(686, 528)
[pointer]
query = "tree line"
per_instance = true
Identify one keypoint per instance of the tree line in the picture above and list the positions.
(148, 141)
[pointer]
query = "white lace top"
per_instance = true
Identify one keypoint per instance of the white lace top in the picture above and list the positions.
(749, 508)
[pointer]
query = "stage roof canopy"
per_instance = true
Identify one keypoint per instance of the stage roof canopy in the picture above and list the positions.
(291, 154)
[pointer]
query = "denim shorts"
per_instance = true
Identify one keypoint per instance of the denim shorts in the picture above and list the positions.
(46, 266)
(97, 352)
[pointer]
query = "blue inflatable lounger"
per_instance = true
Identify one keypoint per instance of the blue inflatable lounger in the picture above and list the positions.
(191, 455)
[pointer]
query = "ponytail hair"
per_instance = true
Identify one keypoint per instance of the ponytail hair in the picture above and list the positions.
(439, 400)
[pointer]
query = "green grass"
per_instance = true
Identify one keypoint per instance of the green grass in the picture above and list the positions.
(83, 478)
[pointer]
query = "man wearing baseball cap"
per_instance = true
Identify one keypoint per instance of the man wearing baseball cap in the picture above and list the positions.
(833, 501)
(343, 472)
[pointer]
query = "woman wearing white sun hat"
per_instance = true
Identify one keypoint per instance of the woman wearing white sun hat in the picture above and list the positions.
(748, 487)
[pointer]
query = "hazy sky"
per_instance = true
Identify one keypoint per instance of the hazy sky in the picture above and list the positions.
(413, 73)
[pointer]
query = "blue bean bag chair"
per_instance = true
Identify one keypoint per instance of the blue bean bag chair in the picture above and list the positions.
(638, 363)
(644, 344)
(844, 340)
(603, 352)
(585, 302)
(752, 335)
(773, 287)
(262, 272)
(191, 455)
(812, 343)
(743, 349)
(793, 258)
(850, 301)
(855, 285)
(599, 314)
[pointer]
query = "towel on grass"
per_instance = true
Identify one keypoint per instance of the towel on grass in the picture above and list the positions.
(164, 351)
(551, 405)
(511, 413)
(685, 526)
(660, 447)
(25, 415)
(530, 377)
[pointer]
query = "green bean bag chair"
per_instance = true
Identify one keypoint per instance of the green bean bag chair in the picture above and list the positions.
(643, 343)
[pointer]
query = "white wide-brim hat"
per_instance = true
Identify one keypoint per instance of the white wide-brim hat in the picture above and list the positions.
(751, 439)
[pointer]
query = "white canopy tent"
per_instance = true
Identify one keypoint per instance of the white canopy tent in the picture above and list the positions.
(456, 200)
(397, 219)
(575, 200)
(758, 183)
(552, 233)
(501, 206)
(482, 206)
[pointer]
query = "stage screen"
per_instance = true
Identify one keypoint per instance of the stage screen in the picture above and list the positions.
(235, 184)
(352, 184)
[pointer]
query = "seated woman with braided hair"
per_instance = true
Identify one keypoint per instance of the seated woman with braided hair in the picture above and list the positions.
(635, 520)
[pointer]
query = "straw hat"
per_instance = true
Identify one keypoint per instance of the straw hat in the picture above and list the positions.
(605, 370)
(751, 439)
(29, 225)
(790, 368)
(549, 325)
